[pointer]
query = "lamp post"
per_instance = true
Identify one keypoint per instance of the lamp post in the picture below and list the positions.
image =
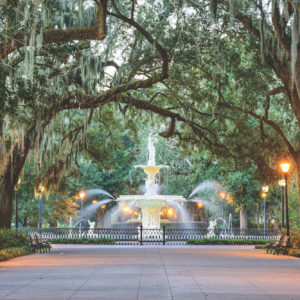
(222, 196)
(264, 194)
(282, 185)
(17, 207)
(285, 167)
(82, 196)
(41, 190)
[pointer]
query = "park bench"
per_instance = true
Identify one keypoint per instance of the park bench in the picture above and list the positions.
(38, 243)
(271, 246)
(283, 247)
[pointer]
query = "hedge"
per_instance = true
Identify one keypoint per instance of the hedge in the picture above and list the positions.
(82, 241)
(213, 241)
(10, 238)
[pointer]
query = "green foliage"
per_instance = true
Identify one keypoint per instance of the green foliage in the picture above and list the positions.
(10, 238)
(212, 241)
(294, 252)
(9, 253)
(102, 240)
(243, 187)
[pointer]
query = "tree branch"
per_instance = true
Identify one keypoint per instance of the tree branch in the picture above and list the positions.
(273, 125)
(60, 35)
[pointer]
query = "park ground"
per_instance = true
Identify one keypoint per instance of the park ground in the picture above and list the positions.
(151, 272)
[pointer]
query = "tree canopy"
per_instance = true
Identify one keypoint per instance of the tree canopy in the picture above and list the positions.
(220, 75)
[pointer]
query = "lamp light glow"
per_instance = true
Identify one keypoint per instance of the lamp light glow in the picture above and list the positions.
(200, 204)
(222, 195)
(285, 166)
(281, 182)
(170, 211)
(82, 195)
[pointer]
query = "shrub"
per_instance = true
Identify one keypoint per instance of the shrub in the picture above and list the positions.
(14, 252)
(10, 238)
(295, 239)
(82, 241)
(213, 241)
(294, 252)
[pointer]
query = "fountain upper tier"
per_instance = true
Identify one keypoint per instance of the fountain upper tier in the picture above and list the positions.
(151, 170)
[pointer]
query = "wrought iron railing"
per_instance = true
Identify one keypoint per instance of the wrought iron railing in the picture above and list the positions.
(150, 236)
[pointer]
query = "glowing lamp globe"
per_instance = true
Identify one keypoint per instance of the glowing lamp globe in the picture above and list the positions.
(222, 195)
(281, 182)
(265, 189)
(82, 195)
(285, 166)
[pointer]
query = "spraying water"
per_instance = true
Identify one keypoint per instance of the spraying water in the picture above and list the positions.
(92, 208)
(205, 186)
(96, 192)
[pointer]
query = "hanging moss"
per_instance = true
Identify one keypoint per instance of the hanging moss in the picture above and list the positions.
(295, 40)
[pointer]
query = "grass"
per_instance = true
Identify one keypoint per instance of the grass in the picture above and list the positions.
(108, 241)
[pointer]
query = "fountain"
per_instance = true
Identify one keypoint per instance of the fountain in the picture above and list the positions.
(151, 202)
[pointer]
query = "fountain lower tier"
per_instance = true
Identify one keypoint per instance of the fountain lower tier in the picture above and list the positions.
(150, 206)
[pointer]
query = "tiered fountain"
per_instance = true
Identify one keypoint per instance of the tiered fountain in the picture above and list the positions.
(151, 203)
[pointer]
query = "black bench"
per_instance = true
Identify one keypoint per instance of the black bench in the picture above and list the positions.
(271, 246)
(38, 243)
(283, 247)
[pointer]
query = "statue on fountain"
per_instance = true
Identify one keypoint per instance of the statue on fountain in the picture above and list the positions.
(91, 228)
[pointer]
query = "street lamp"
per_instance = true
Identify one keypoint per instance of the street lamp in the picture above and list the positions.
(282, 185)
(82, 196)
(222, 196)
(285, 167)
(264, 194)
(17, 198)
(41, 189)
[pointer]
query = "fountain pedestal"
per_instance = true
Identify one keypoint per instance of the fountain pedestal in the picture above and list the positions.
(150, 203)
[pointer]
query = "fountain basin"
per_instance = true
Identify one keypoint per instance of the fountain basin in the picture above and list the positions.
(150, 200)
(150, 206)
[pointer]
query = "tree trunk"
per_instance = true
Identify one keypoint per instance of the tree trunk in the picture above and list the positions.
(297, 161)
(243, 218)
(257, 220)
(25, 220)
(6, 201)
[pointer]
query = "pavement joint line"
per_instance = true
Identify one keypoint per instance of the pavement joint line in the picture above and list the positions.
(27, 284)
(192, 276)
(251, 283)
(166, 274)
(140, 279)
(90, 276)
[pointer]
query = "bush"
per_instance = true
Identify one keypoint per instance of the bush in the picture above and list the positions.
(10, 238)
(295, 239)
(213, 241)
(82, 241)
(14, 252)
(261, 247)
(294, 252)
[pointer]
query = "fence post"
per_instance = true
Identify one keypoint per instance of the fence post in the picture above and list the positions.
(141, 235)
(164, 234)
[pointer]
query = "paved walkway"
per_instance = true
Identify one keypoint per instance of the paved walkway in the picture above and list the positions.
(151, 272)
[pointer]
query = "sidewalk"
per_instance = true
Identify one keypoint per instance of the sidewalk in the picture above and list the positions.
(151, 272)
